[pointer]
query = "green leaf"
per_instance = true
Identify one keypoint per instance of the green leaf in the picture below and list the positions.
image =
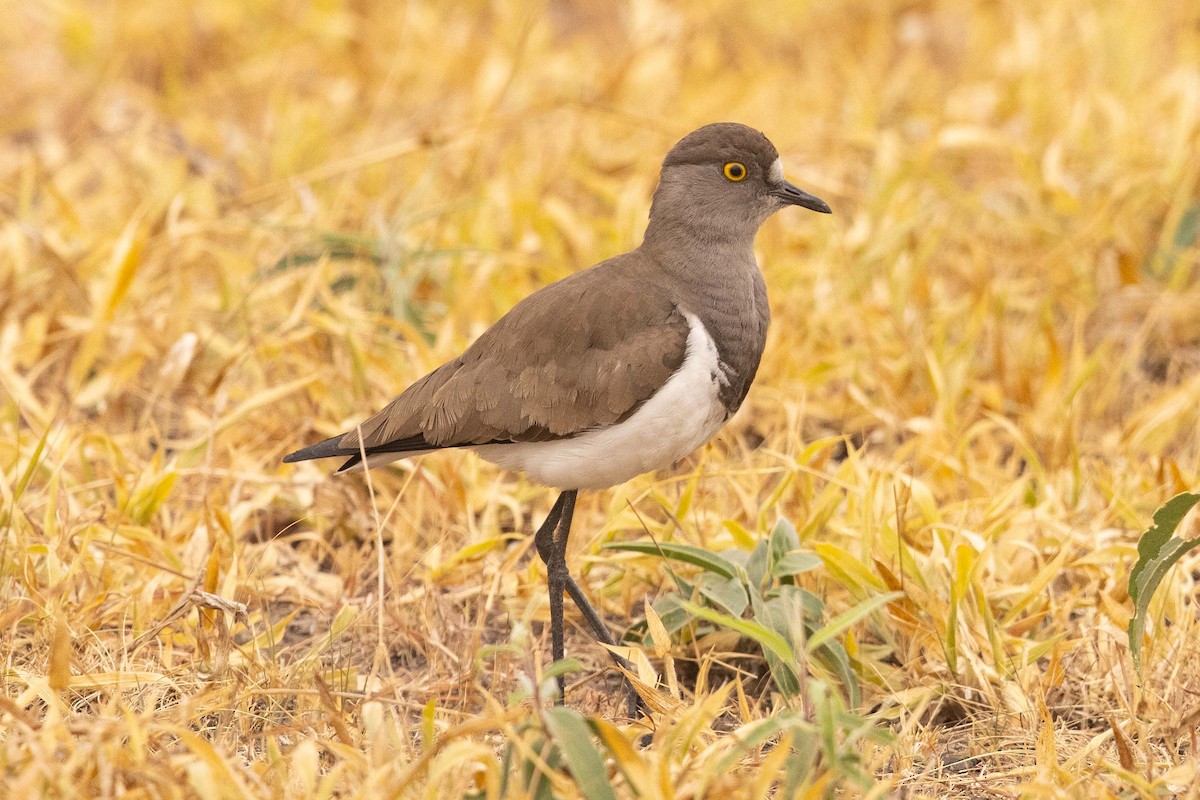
(801, 765)
(570, 732)
(673, 619)
(797, 598)
(1166, 520)
(847, 619)
(785, 616)
(564, 666)
(1189, 228)
(1157, 553)
(696, 556)
(766, 638)
(537, 782)
(834, 658)
(737, 557)
(755, 733)
(784, 613)
(756, 565)
(783, 540)
(727, 593)
(794, 563)
(824, 711)
(785, 678)
(814, 607)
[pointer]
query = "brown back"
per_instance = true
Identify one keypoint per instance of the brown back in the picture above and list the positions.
(582, 353)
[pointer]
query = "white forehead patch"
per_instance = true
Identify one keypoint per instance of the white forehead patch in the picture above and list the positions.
(776, 173)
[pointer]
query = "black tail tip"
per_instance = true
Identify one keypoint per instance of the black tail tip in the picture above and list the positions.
(324, 449)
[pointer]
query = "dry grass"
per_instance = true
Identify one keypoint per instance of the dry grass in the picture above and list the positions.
(231, 227)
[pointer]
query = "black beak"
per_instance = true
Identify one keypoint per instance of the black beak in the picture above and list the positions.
(795, 196)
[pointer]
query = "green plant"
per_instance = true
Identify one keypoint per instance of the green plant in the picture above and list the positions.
(755, 593)
(561, 752)
(1158, 551)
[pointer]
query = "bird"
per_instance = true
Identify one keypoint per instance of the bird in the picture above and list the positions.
(616, 370)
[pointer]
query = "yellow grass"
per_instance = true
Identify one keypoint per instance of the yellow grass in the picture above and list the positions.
(231, 227)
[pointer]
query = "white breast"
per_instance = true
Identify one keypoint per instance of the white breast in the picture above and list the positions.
(684, 414)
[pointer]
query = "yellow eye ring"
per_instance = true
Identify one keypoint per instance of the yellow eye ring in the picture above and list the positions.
(735, 171)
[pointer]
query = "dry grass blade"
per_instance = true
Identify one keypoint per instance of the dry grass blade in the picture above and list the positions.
(229, 228)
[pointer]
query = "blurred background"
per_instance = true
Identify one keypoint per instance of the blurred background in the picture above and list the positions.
(230, 228)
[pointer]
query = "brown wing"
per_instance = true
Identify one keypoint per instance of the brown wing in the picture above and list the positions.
(581, 353)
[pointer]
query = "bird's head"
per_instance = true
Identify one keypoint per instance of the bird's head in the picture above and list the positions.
(722, 181)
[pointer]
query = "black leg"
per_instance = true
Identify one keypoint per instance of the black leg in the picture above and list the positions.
(557, 577)
(551, 543)
(543, 540)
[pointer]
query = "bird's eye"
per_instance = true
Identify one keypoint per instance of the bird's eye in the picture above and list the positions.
(735, 171)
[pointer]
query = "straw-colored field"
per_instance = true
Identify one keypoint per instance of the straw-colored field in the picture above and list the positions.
(230, 228)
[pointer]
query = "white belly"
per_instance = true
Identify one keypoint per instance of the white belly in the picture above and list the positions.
(684, 414)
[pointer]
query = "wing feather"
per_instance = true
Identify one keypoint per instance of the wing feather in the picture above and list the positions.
(581, 353)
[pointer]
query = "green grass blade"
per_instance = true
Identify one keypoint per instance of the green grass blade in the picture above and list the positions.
(688, 554)
(570, 732)
(848, 618)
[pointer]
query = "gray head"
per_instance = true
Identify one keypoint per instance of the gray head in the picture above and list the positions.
(721, 182)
